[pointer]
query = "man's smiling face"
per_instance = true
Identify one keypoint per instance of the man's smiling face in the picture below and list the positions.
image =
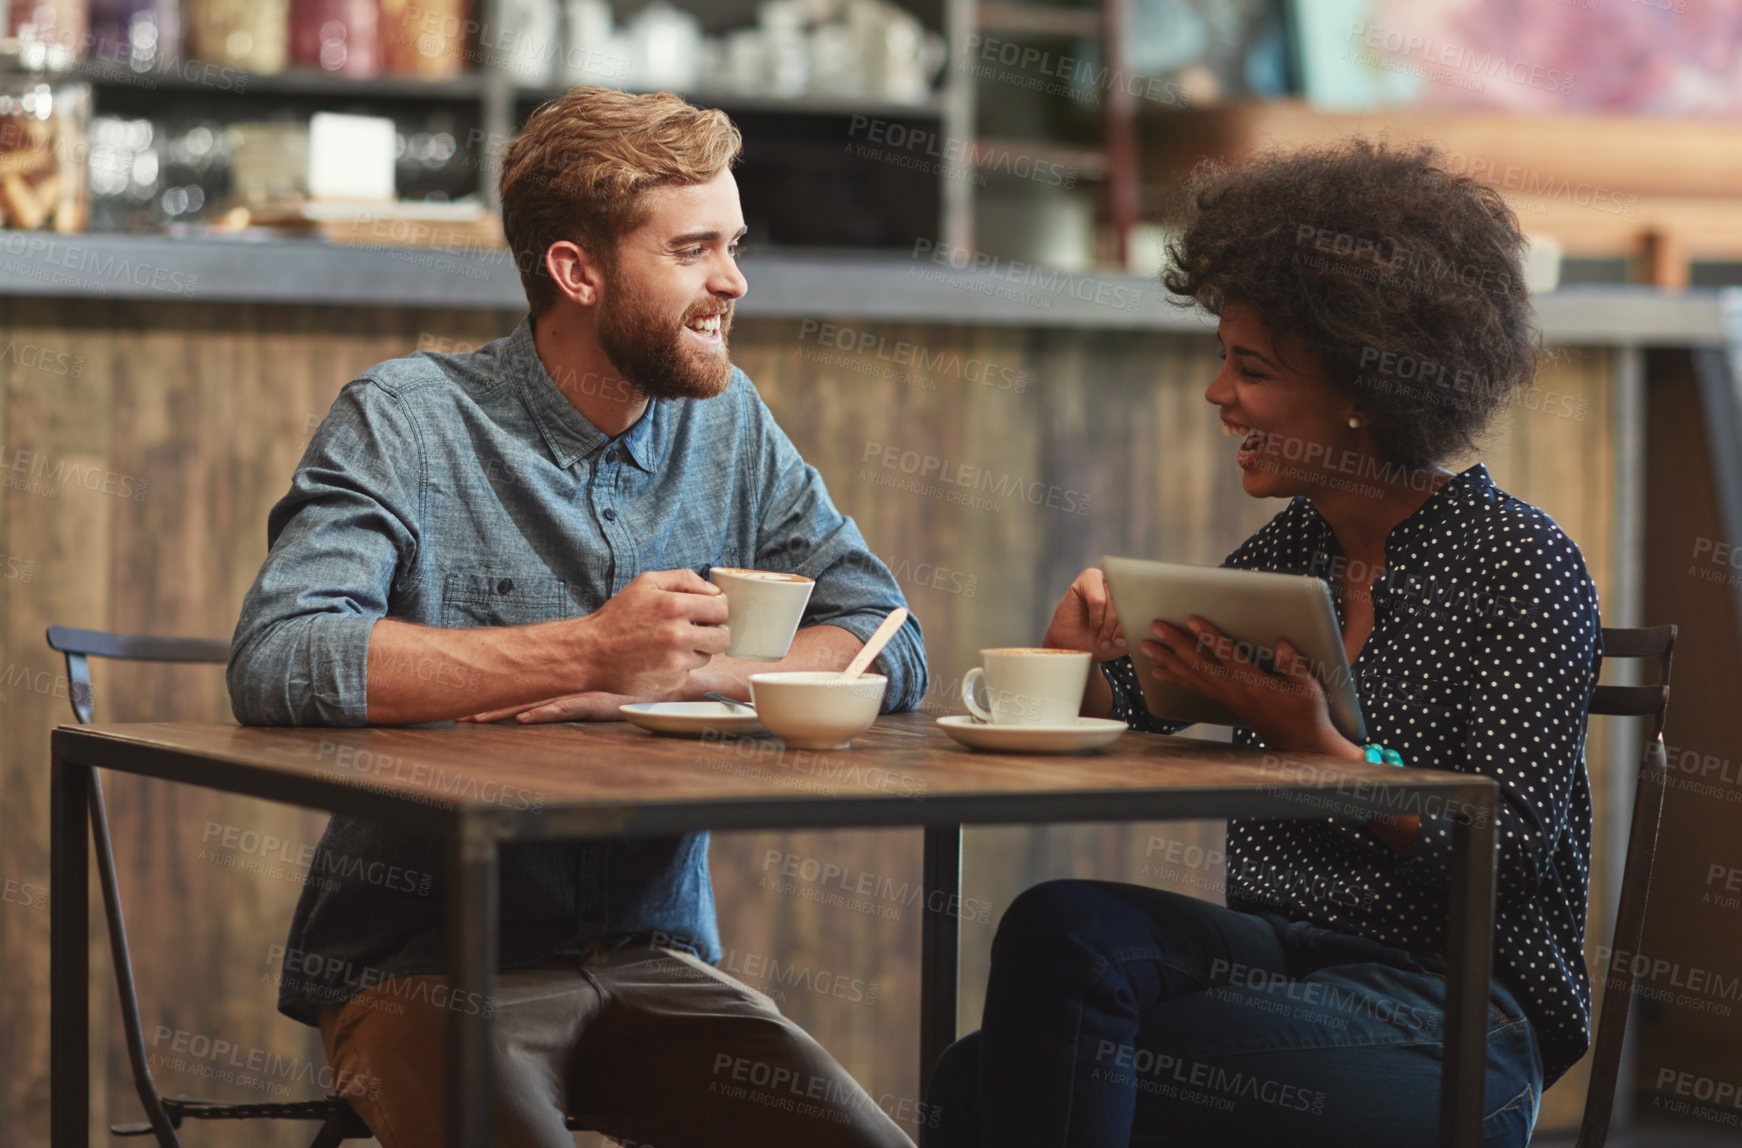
(666, 309)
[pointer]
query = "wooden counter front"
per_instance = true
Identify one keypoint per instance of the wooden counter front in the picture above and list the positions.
(146, 441)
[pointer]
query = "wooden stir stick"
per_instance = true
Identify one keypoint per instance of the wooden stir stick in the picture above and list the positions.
(874, 645)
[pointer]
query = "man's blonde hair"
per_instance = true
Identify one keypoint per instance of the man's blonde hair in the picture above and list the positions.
(581, 166)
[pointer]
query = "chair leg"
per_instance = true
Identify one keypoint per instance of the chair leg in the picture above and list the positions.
(162, 1126)
(332, 1133)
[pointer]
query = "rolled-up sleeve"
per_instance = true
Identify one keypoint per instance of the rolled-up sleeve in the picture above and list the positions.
(336, 543)
(799, 530)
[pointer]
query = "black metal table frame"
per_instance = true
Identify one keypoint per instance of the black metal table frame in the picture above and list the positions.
(473, 835)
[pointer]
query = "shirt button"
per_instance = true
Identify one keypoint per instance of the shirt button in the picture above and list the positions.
(505, 585)
(610, 457)
(609, 515)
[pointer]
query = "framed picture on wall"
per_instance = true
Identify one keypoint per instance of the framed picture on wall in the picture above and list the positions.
(1666, 57)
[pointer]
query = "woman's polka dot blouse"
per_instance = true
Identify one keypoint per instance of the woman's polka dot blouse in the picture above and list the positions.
(1482, 658)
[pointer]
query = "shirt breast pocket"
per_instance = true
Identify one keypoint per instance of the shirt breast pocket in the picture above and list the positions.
(503, 599)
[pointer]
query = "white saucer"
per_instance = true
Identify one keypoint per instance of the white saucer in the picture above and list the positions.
(691, 719)
(1088, 733)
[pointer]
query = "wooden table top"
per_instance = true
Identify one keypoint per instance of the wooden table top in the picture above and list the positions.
(598, 778)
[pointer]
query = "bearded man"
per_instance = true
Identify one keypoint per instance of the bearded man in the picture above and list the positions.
(521, 532)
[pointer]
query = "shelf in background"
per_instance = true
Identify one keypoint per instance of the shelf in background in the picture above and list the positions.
(1038, 19)
(194, 76)
(890, 286)
(1659, 190)
(794, 105)
(1004, 154)
(198, 76)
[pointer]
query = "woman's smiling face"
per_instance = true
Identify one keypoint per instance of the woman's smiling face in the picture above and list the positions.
(1290, 422)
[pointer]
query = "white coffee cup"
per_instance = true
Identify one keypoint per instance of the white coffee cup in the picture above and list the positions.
(1028, 686)
(763, 610)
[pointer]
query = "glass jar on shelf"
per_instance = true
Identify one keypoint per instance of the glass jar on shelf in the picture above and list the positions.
(139, 35)
(48, 33)
(251, 35)
(425, 38)
(126, 173)
(44, 127)
(339, 36)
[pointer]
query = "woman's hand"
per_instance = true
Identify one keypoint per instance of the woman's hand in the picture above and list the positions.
(1287, 707)
(1084, 620)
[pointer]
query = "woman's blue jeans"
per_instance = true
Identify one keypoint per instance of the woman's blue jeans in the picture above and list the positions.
(1121, 1015)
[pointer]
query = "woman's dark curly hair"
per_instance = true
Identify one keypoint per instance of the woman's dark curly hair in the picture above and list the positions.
(1403, 280)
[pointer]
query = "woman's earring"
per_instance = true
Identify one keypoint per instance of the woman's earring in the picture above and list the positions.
(1354, 422)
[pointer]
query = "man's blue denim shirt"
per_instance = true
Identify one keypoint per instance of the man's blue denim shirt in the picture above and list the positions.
(466, 490)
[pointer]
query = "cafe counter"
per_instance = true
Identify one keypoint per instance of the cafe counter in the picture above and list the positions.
(933, 284)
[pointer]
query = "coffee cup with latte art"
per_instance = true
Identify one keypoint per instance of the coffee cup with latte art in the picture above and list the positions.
(764, 608)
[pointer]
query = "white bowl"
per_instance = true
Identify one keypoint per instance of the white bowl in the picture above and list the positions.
(816, 709)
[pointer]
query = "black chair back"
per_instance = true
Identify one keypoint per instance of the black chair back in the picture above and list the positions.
(1654, 643)
(163, 1115)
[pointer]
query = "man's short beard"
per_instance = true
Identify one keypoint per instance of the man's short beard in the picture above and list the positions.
(650, 351)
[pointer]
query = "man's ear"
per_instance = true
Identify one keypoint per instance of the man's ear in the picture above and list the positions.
(577, 274)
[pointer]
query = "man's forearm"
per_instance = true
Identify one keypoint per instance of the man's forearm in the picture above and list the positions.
(422, 673)
(418, 673)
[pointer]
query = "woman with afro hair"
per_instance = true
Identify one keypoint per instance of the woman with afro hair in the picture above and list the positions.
(1372, 320)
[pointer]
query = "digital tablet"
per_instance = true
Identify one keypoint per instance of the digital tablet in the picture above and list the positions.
(1256, 608)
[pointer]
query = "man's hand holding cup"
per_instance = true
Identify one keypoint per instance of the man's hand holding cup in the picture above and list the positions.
(642, 644)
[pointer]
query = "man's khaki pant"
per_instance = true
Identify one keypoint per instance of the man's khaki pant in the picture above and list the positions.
(650, 1046)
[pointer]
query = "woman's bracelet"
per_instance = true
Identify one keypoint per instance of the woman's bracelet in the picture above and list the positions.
(1377, 754)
